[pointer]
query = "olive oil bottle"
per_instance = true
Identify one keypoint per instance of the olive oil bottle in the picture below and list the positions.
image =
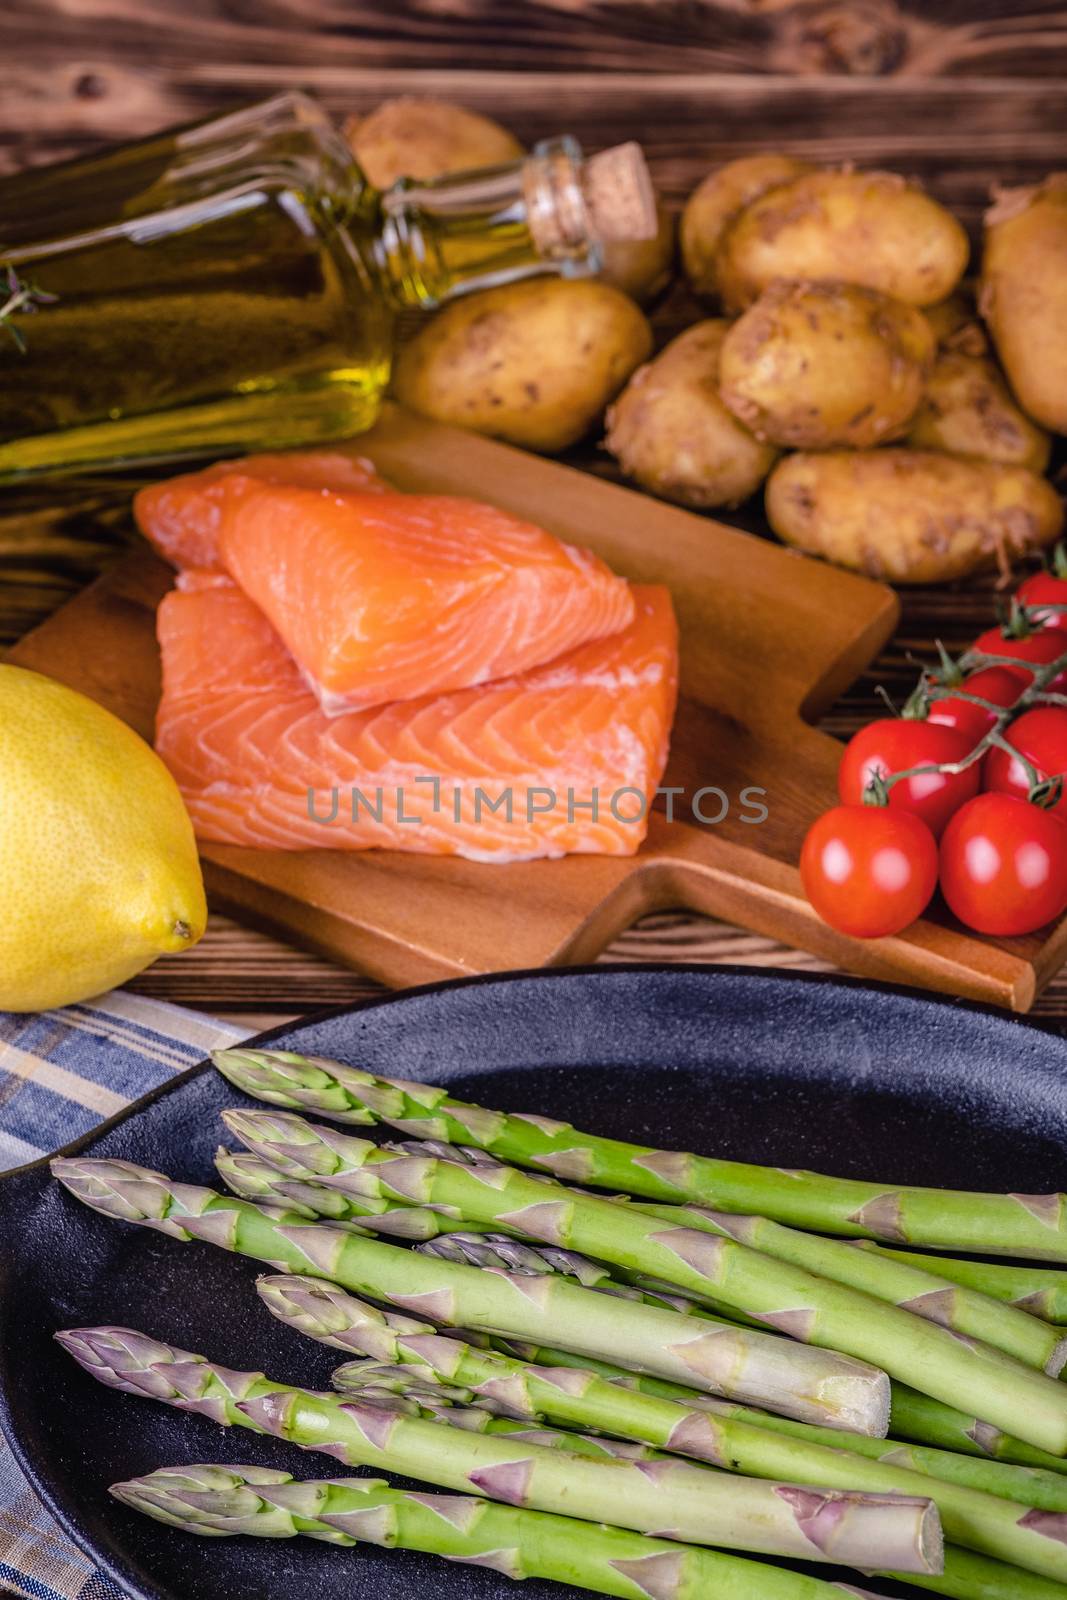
(233, 286)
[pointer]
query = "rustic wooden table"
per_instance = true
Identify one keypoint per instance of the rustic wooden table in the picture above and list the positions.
(964, 95)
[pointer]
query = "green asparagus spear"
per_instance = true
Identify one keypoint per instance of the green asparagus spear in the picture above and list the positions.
(1040, 1486)
(967, 1576)
(971, 1577)
(508, 1254)
(930, 1358)
(955, 1297)
(216, 1501)
(915, 1282)
(573, 1397)
(395, 1389)
(813, 1385)
(914, 1415)
(252, 1178)
(888, 1278)
(1026, 1486)
(698, 1506)
(1042, 1291)
(384, 1386)
(941, 1219)
(255, 1179)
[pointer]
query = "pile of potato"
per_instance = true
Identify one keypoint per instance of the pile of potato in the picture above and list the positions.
(848, 366)
(854, 347)
(534, 362)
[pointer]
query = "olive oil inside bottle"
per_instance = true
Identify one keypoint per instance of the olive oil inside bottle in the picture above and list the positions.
(193, 326)
(233, 286)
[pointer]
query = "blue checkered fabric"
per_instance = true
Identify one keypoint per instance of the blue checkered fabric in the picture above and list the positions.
(61, 1072)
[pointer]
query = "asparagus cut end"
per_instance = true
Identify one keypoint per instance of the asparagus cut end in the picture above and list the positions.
(1058, 1359)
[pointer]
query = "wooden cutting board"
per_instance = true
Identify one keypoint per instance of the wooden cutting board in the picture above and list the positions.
(769, 639)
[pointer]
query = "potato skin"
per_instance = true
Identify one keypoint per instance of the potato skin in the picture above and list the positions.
(671, 433)
(872, 228)
(910, 516)
(714, 204)
(534, 362)
(1024, 295)
(814, 365)
(414, 138)
(968, 411)
(955, 323)
(642, 268)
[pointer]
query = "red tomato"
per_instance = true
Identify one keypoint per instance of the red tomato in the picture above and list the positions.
(1001, 685)
(1004, 865)
(1045, 590)
(894, 744)
(869, 871)
(1041, 736)
(1033, 648)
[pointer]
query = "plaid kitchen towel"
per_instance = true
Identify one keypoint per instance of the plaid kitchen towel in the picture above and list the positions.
(61, 1072)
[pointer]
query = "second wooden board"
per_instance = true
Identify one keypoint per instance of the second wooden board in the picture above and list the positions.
(769, 639)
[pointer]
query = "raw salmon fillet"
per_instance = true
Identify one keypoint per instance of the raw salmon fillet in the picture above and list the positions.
(384, 597)
(259, 763)
(180, 517)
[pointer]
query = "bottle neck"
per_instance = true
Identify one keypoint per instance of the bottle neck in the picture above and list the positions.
(478, 229)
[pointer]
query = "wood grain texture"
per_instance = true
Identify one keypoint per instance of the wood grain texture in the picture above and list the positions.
(100, 48)
(768, 637)
(959, 93)
(259, 982)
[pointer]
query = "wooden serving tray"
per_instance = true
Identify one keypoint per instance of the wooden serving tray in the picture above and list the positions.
(769, 639)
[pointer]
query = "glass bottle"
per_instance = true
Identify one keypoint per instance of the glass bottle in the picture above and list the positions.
(233, 286)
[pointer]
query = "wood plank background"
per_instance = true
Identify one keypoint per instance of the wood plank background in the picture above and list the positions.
(964, 95)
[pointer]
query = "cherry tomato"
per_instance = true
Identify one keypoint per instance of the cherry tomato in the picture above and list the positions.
(894, 744)
(1041, 736)
(1004, 865)
(1045, 590)
(869, 871)
(1001, 685)
(1036, 649)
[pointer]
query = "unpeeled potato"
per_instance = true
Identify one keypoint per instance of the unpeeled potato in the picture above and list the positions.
(671, 433)
(968, 411)
(716, 202)
(1024, 295)
(416, 138)
(872, 228)
(910, 516)
(955, 325)
(533, 362)
(814, 365)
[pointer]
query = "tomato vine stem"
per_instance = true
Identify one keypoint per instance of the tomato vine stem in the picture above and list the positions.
(1043, 791)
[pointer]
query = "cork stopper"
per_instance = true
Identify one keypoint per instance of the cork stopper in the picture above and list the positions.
(619, 194)
(574, 204)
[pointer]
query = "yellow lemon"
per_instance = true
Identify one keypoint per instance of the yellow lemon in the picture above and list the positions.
(98, 865)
